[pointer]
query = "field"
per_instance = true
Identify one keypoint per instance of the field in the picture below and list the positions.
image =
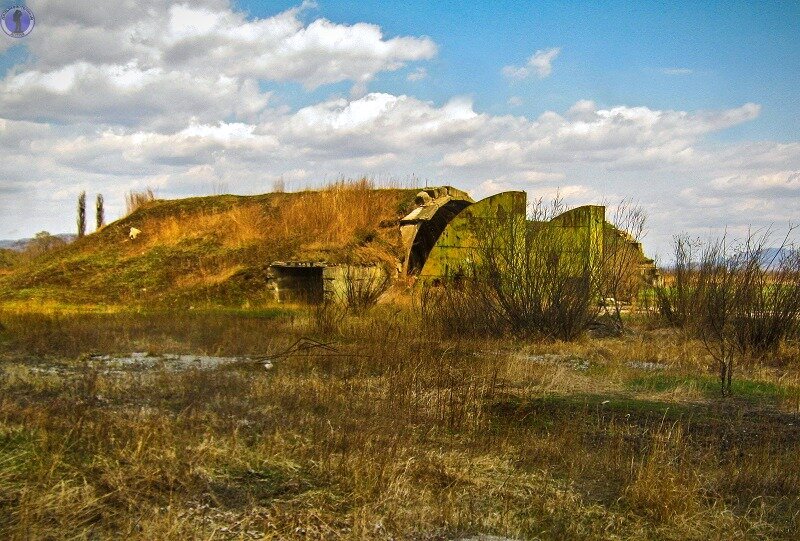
(376, 427)
(153, 389)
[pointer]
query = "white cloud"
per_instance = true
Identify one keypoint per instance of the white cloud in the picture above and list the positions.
(588, 153)
(779, 183)
(131, 94)
(514, 101)
(676, 71)
(171, 63)
(417, 75)
(541, 64)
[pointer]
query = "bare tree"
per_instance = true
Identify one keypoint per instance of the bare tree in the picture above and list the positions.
(739, 300)
(622, 257)
(43, 242)
(82, 214)
(100, 213)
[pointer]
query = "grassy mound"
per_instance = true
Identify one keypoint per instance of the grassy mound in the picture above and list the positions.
(213, 250)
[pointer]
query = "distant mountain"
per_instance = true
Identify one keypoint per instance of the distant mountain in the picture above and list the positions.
(19, 245)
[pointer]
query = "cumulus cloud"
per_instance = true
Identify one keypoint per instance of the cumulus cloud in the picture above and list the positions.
(168, 94)
(148, 60)
(540, 64)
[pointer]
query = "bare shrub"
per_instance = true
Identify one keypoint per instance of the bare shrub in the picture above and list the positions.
(536, 285)
(737, 299)
(525, 280)
(363, 286)
(677, 298)
(621, 277)
(769, 297)
(136, 199)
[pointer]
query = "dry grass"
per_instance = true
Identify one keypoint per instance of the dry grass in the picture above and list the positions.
(395, 435)
(336, 215)
(185, 246)
(235, 227)
(134, 200)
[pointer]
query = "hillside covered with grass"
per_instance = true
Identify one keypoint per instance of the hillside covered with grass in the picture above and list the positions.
(213, 250)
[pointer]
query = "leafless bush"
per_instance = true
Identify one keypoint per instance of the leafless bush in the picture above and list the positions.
(135, 199)
(736, 297)
(458, 310)
(524, 279)
(621, 277)
(363, 286)
(678, 299)
(533, 282)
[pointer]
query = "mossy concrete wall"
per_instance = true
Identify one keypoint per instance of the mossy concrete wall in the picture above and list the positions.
(577, 233)
(579, 236)
(457, 247)
(336, 278)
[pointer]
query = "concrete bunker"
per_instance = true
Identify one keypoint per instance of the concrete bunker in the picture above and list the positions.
(582, 234)
(441, 239)
(298, 281)
(423, 226)
(312, 282)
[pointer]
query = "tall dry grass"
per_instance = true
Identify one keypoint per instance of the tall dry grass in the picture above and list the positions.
(337, 215)
(136, 199)
(389, 433)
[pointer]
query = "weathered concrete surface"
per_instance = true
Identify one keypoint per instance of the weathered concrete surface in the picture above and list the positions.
(315, 281)
(420, 229)
(457, 246)
(336, 279)
(579, 235)
(577, 239)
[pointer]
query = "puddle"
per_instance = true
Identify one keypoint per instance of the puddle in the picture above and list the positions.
(140, 361)
(646, 365)
(167, 361)
(571, 361)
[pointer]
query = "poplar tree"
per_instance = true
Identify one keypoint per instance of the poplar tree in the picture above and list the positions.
(101, 211)
(82, 214)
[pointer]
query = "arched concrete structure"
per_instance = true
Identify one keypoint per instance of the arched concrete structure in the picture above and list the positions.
(422, 227)
(455, 248)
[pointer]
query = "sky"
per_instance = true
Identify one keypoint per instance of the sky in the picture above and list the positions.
(689, 109)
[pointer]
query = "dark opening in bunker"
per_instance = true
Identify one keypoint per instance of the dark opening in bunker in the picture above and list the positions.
(299, 283)
(429, 232)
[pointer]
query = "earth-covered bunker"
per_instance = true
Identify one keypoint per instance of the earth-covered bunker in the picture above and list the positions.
(581, 233)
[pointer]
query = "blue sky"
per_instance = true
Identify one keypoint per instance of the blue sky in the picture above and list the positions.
(690, 109)
(611, 52)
